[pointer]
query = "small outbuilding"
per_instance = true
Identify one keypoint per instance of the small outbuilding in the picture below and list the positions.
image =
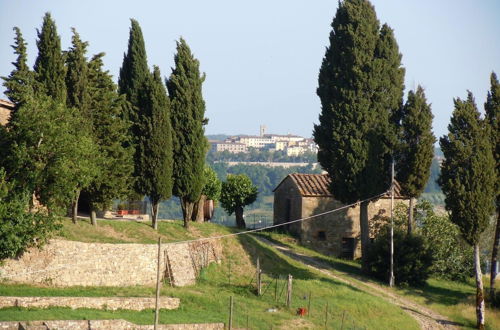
(300, 196)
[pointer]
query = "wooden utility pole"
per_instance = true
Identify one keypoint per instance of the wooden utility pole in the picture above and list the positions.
(157, 304)
(289, 291)
(391, 276)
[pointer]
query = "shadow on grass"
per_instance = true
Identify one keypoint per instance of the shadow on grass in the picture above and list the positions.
(440, 295)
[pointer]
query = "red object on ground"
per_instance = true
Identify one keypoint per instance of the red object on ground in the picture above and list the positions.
(301, 311)
(122, 212)
(134, 212)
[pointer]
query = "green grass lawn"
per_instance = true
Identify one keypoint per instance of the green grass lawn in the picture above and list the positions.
(456, 300)
(333, 302)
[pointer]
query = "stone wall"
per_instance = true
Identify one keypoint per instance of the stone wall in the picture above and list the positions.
(103, 325)
(107, 303)
(69, 263)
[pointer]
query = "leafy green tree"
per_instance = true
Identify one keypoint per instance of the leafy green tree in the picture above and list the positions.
(188, 118)
(77, 96)
(19, 84)
(114, 156)
(468, 181)
(492, 107)
(211, 191)
(46, 155)
(155, 144)
(20, 229)
(416, 148)
(360, 86)
(237, 192)
(50, 71)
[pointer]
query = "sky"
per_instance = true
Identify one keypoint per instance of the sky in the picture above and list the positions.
(262, 57)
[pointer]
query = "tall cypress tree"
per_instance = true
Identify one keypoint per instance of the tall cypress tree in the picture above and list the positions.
(110, 133)
(416, 150)
(492, 108)
(133, 74)
(19, 84)
(77, 95)
(49, 66)
(155, 144)
(188, 118)
(468, 181)
(360, 86)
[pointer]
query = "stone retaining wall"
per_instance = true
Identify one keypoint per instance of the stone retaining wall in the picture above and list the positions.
(108, 303)
(103, 325)
(69, 263)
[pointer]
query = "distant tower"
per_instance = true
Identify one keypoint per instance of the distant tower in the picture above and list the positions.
(263, 130)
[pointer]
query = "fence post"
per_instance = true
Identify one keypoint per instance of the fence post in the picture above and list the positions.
(276, 289)
(289, 291)
(259, 284)
(309, 305)
(157, 304)
(230, 312)
(326, 315)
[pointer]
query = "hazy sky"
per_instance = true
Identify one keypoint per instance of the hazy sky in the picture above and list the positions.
(262, 58)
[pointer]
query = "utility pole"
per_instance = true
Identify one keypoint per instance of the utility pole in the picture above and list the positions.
(391, 276)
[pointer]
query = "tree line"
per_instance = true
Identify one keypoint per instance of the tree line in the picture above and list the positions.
(365, 125)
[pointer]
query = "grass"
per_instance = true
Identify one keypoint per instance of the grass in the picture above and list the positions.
(455, 300)
(208, 300)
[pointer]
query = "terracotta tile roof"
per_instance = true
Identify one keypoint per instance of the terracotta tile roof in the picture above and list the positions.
(316, 185)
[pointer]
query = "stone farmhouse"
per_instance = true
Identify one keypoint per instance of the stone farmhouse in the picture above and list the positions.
(5, 108)
(300, 196)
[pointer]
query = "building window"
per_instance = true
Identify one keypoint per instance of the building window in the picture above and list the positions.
(321, 235)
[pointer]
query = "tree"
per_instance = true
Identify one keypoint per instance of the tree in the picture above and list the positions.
(19, 84)
(155, 144)
(416, 148)
(20, 229)
(237, 192)
(77, 96)
(468, 181)
(211, 191)
(360, 86)
(492, 108)
(49, 66)
(188, 118)
(110, 134)
(133, 75)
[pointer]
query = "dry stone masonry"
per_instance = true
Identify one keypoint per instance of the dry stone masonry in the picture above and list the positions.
(69, 263)
(103, 325)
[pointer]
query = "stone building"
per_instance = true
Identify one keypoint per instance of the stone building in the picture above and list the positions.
(299, 196)
(5, 108)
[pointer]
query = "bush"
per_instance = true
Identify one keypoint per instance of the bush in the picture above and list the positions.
(412, 258)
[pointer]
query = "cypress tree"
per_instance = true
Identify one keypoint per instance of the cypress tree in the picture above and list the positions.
(360, 86)
(49, 66)
(110, 133)
(133, 74)
(492, 108)
(19, 84)
(468, 181)
(77, 94)
(416, 149)
(155, 144)
(189, 142)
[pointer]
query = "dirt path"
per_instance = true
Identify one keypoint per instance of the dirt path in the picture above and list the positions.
(427, 318)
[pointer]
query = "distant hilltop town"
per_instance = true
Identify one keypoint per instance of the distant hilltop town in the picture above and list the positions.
(293, 145)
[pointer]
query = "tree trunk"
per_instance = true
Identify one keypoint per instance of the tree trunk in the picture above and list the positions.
(74, 206)
(365, 235)
(479, 289)
(240, 221)
(155, 206)
(187, 211)
(494, 259)
(93, 218)
(410, 216)
(198, 210)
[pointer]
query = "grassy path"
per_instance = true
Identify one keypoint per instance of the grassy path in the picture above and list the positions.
(427, 318)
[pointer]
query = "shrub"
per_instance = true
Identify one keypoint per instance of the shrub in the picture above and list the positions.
(412, 258)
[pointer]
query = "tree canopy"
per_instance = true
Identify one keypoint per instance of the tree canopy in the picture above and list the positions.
(237, 192)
